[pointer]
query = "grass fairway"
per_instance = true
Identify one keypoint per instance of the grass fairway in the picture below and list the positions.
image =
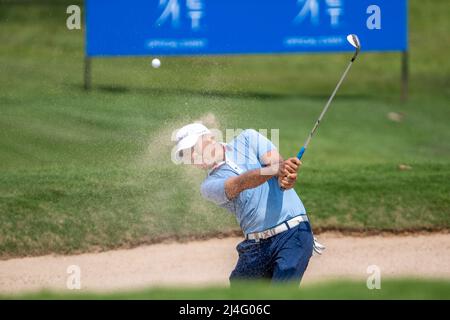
(344, 289)
(82, 171)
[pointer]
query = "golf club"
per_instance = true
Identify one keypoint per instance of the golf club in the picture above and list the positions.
(354, 41)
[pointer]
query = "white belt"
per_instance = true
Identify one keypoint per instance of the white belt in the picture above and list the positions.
(291, 223)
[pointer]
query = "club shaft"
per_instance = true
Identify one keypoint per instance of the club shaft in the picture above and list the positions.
(316, 125)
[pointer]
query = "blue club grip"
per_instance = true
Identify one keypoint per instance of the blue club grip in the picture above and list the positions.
(301, 152)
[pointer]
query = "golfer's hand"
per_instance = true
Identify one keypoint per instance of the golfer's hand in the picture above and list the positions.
(288, 173)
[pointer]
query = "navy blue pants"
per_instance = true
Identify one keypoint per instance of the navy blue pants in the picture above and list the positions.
(283, 257)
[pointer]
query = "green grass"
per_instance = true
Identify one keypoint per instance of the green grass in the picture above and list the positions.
(340, 290)
(82, 171)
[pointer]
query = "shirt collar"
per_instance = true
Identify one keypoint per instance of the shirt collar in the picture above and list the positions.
(218, 165)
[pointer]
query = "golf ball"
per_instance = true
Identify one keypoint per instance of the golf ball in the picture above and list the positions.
(156, 63)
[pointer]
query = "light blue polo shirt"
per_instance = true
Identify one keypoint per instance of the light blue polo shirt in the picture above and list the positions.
(259, 208)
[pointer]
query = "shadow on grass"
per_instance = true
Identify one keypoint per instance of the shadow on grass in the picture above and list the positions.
(117, 89)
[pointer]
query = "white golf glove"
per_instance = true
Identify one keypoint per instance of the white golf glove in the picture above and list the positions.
(318, 247)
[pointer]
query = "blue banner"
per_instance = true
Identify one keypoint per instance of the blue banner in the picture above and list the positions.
(201, 27)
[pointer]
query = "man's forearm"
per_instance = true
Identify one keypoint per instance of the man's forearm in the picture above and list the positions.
(250, 179)
(253, 178)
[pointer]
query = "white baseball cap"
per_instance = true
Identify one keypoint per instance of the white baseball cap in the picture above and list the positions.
(188, 135)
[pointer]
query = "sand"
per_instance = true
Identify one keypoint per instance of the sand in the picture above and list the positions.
(209, 262)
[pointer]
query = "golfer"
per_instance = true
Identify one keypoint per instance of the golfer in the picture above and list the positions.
(249, 178)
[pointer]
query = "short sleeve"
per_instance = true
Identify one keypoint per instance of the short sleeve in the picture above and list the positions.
(213, 189)
(258, 143)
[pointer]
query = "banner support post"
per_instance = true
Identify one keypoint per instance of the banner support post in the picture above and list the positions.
(87, 73)
(405, 76)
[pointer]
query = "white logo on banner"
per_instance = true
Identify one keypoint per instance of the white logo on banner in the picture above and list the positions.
(310, 11)
(172, 13)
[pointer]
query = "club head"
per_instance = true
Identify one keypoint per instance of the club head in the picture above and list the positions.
(354, 41)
